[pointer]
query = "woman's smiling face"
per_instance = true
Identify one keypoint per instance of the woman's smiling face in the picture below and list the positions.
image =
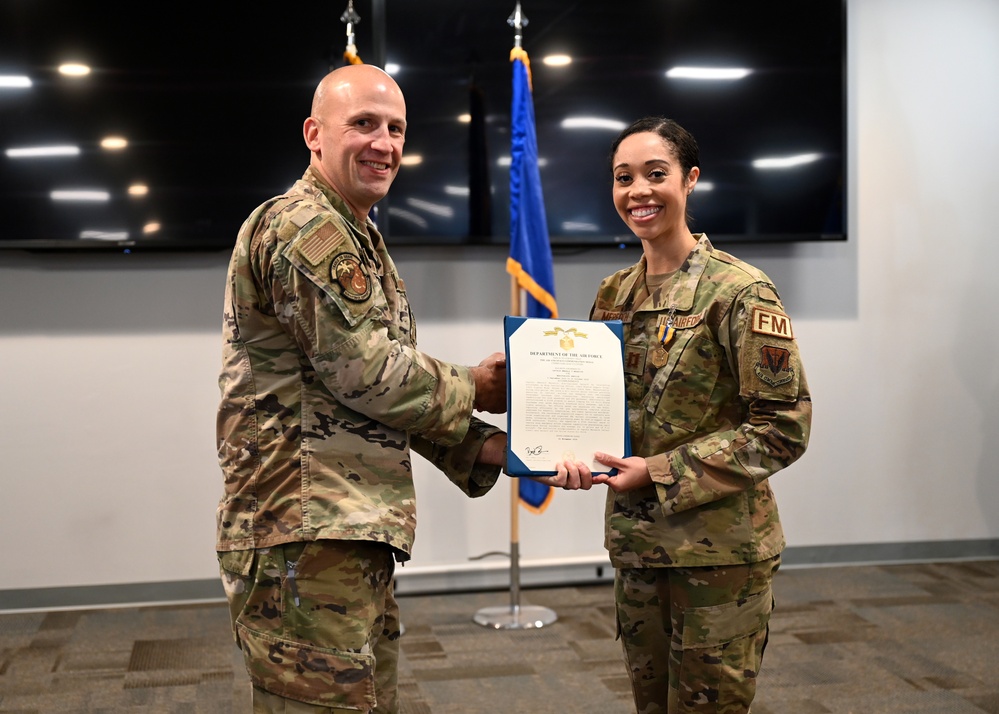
(650, 190)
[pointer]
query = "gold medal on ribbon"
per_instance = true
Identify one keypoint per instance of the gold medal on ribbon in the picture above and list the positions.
(659, 356)
(664, 335)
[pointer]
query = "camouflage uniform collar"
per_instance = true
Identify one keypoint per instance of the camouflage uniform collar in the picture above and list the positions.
(315, 179)
(679, 292)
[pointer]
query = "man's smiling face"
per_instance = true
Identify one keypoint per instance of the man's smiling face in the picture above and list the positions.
(358, 135)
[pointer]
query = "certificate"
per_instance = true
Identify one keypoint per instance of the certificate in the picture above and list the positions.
(565, 393)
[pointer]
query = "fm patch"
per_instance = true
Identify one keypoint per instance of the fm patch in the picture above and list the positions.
(773, 324)
(774, 366)
(347, 272)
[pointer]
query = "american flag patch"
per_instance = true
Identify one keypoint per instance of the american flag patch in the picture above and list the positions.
(318, 245)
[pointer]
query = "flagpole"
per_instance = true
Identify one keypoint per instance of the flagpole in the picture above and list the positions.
(515, 617)
(350, 18)
(515, 302)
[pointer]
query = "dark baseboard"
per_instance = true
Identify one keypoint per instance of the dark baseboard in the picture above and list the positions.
(416, 583)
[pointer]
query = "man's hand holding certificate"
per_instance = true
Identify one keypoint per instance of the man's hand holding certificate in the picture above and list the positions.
(566, 396)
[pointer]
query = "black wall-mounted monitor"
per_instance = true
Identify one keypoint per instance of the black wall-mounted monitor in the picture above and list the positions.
(209, 107)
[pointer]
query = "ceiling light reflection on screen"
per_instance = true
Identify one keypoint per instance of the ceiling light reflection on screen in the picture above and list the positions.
(465, 118)
(412, 160)
(408, 216)
(580, 226)
(14, 81)
(557, 60)
(392, 68)
(436, 209)
(506, 160)
(114, 143)
(32, 152)
(74, 69)
(104, 235)
(703, 186)
(79, 195)
(457, 190)
(708, 73)
(138, 189)
(151, 227)
(593, 123)
(785, 162)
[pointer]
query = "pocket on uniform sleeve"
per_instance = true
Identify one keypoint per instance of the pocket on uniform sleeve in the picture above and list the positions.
(315, 675)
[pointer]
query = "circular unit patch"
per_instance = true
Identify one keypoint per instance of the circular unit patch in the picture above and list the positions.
(346, 270)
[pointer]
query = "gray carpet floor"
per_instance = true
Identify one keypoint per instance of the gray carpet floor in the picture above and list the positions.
(864, 639)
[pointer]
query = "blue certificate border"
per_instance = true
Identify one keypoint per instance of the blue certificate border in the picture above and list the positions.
(512, 323)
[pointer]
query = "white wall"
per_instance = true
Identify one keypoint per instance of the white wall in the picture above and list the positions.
(108, 363)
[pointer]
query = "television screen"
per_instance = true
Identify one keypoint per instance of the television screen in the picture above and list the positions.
(185, 122)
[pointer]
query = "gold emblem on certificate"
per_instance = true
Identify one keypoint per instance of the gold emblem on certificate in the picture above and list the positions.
(567, 393)
(566, 341)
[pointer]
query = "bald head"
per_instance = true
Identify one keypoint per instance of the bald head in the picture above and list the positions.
(356, 133)
(352, 78)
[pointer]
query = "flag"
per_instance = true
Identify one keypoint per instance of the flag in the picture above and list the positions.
(530, 261)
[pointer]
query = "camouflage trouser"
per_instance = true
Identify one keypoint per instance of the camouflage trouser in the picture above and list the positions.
(694, 637)
(318, 625)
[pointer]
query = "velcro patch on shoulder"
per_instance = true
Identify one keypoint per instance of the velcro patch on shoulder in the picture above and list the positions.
(768, 294)
(303, 215)
(772, 323)
(354, 283)
(317, 246)
(774, 366)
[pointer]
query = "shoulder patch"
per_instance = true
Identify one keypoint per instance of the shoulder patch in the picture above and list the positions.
(772, 323)
(774, 366)
(768, 294)
(317, 245)
(347, 272)
(303, 216)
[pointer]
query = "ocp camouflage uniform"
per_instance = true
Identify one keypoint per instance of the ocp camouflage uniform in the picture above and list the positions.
(696, 551)
(323, 394)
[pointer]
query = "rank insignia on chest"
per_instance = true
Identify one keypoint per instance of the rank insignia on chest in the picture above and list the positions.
(346, 271)
(634, 359)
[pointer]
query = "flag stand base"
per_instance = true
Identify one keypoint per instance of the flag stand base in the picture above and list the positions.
(515, 617)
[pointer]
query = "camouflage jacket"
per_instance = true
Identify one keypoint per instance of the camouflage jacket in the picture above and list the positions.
(726, 407)
(323, 391)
